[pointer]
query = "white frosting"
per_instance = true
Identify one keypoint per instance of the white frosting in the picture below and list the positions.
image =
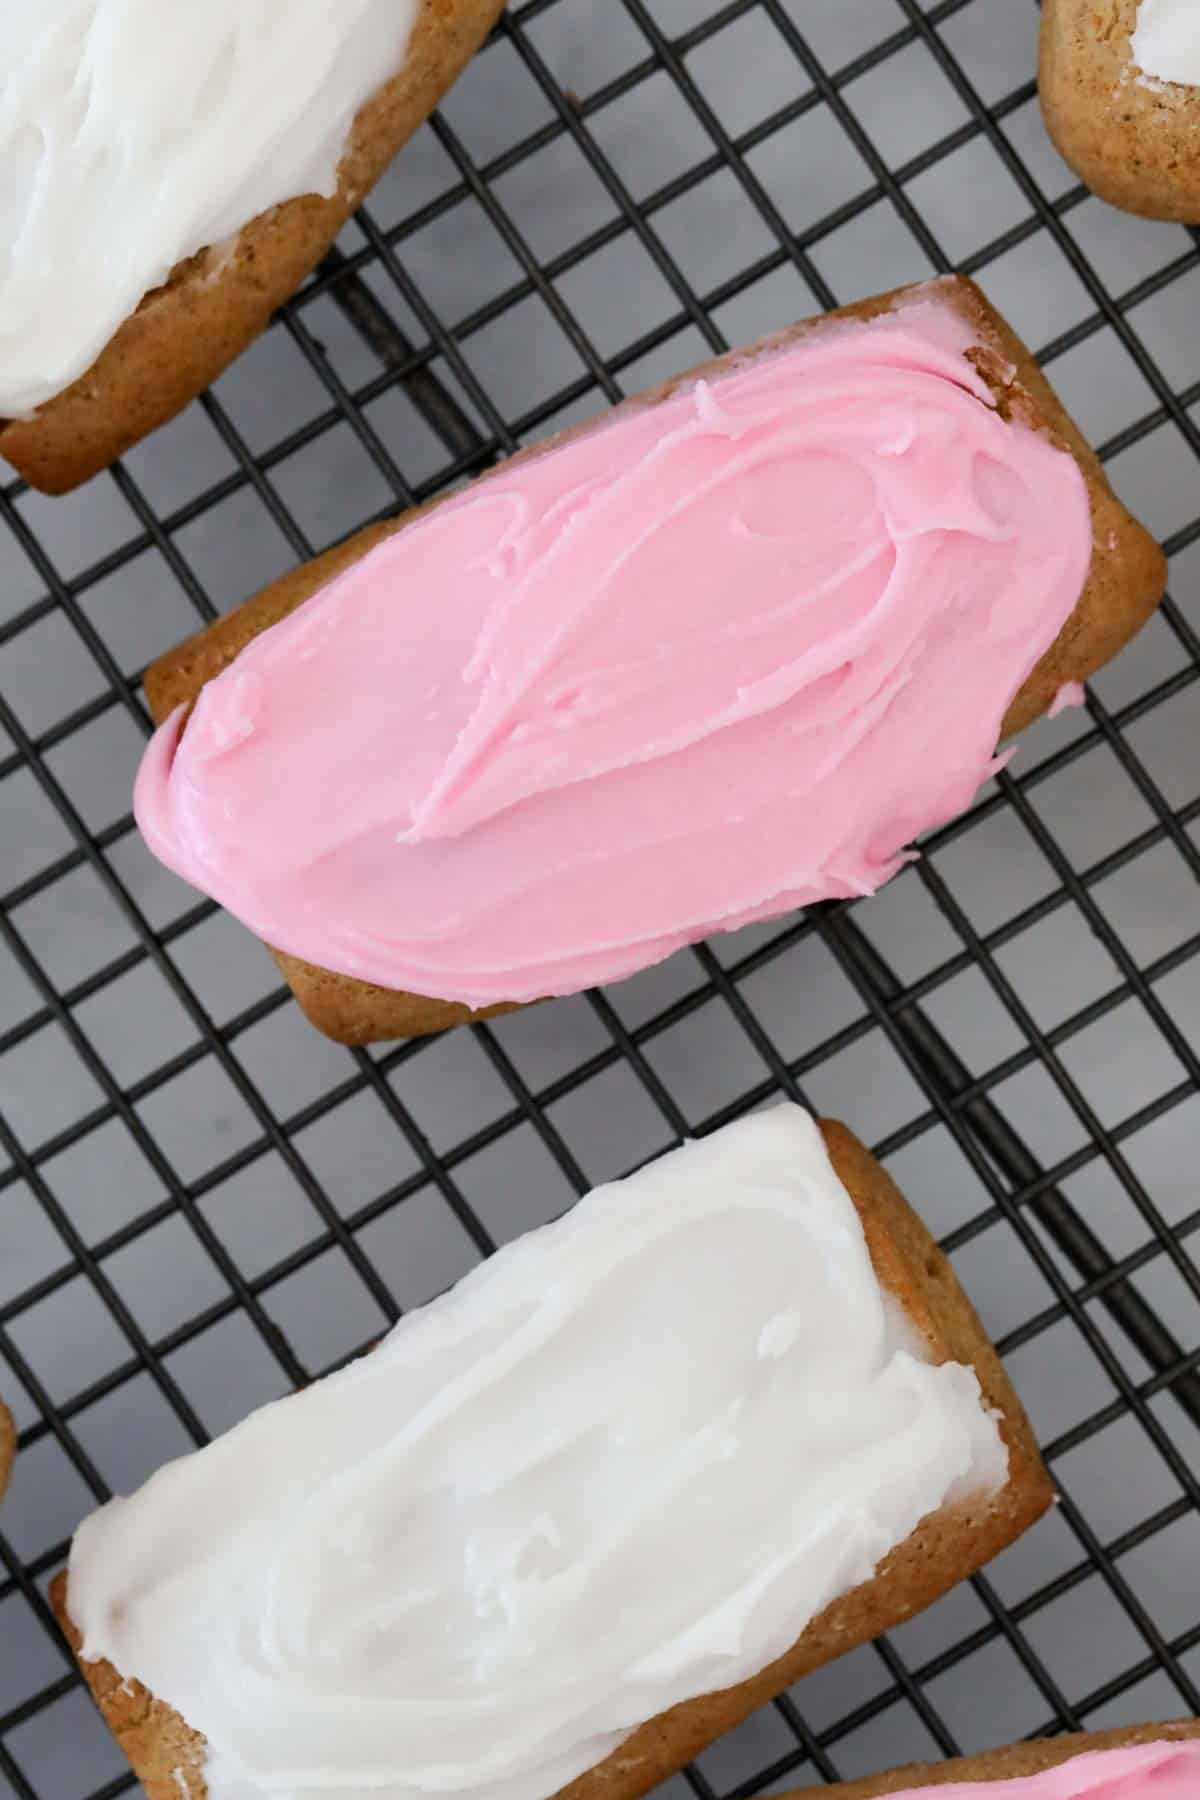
(135, 132)
(1166, 40)
(623, 1463)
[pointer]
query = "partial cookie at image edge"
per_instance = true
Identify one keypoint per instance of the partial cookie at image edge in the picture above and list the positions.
(1133, 140)
(1030, 1758)
(1123, 587)
(8, 1446)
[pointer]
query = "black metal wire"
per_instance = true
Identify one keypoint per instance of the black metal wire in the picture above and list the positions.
(432, 368)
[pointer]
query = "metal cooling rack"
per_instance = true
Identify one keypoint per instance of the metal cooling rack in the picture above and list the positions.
(202, 1203)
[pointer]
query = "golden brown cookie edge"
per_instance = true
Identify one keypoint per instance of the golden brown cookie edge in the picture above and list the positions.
(1009, 1764)
(1136, 145)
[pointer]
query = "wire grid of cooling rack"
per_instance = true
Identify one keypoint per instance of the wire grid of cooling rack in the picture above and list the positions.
(202, 1204)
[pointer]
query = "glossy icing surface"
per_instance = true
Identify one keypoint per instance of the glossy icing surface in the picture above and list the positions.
(134, 133)
(1145, 1772)
(1166, 40)
(623, 1463)
(714, 659)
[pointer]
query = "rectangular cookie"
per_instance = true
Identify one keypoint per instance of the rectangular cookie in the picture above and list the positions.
(1009, 1764)
(947, 1545)
(1123, 585)
(1134, 140)
(186, 332)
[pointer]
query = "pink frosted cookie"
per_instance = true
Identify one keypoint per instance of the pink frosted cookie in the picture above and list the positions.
(1120, 90)
(720, 654)
(1139, 1762)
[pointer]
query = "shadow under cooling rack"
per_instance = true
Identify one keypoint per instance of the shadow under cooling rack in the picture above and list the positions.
(202, 1204)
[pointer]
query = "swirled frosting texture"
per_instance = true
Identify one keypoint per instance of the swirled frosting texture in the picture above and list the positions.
(1166, 40)
(1144, 1772)
(623, 1463)
(134, 133)
(717, 658)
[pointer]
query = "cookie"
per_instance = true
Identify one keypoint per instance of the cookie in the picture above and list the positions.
(186, 332)
(1010, 1764)
(1134, 139)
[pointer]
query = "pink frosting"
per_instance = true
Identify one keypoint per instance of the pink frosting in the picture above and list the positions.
(1147, 1772)
(711, 660)
(1071, 693)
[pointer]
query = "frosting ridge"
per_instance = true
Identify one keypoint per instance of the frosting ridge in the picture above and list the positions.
(713, 659)
(598, 1477)
(1166, 41)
